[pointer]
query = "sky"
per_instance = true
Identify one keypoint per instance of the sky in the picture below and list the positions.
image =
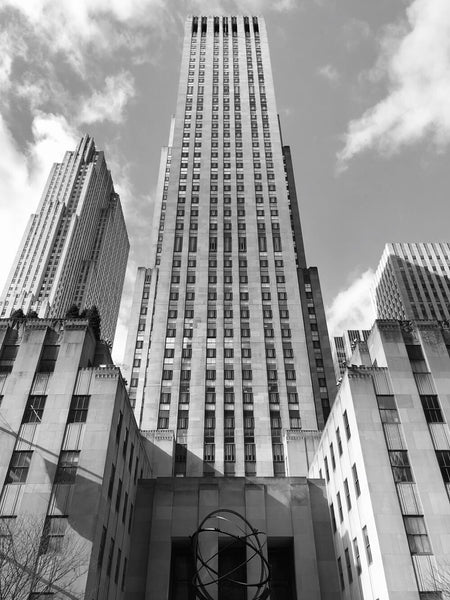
(362, 90)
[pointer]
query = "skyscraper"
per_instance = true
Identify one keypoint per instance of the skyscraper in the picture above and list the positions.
(413, 281)
(342, 348)
(75, 248)
(228, 346)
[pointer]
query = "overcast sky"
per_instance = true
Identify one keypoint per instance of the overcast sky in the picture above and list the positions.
(362, 88)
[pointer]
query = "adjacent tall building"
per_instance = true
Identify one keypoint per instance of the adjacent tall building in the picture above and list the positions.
(413, 281)
(342, 348)
(75, 248)
(227, 348)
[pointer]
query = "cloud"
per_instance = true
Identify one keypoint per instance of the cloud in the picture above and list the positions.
(355, 31)
(415, 61)
(23, 176)
(109, 105)
(352, 308)
(329, 73)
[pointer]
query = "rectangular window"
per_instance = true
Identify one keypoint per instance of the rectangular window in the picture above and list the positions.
(101, 550)
(67, 466)
(347, 495)
(34, 409)
(78, 409)
(341, 573)
(333, 460)
(327, 471)
(110, 557)
(53, 535)
(401, 468)
(416, 532)
(348, 565)
(443, 458)
(48, 358)
(19, 466)
(229, 453)
(346, 425)
(356, 480)
(367, 545)
(357, 556)
(339, 503)
(432, 409)
(339, 441)
(333, 517)
(388, 409)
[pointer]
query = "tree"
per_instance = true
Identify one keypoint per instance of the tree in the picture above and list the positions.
(73, 312)
(94, 318)
(32, 314)
(18, 314)
(40, 557)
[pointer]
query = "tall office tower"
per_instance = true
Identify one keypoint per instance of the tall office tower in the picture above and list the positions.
(385, 457)
(413, 281)
(75, 248)
(227, 348)
(342, 348)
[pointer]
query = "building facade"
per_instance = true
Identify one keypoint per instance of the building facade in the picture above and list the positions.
(413, 281)
(342, 348)
(226, 348)
(71, 456)
(385, 456)
(75, 248)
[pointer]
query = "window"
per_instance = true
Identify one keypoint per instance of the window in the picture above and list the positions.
(34, 409)
(356, 480)
(416, 532)
(48, 358)
(401, 468)
(388, 409)
(119, 427)
(347, 425)
(443, 458)
(347, 495)
(333, 517)
(101, 550)
(110, 557)
(53, 534)
(327, 472)
(339, 504)
(116, 574)
(348, 565)
(119, 495)
(367, 545)
(357, 556)
(229, 453)
(78, 409)
(18, 467)
(333, 460)
(339, 441)
(111, 480)
(67, 466)
(209, 452)
(341, 573)
(250, 452)
(432, 409)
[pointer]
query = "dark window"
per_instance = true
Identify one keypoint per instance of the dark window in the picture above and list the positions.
(111, 480)
(356, 480)
(416, 532)
(101, 550)
(78, 409)
(348, 565)
(347, 425)
(432, 409)
(388, 409)
(34, 409)
(48, 358)
(67, 466)
(18, 467)
(443, 457)
(7, 358)
(110, 557)
(53, 534)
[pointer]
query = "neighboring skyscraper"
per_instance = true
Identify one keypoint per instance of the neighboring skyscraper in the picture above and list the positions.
(75, 248)
(342, 348)
(385, 456)
(227, 348)
(413, 281)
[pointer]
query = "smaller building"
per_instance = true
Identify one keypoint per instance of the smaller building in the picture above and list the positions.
(343, 346)
(412, 281)
(71, 455)
(385, 458)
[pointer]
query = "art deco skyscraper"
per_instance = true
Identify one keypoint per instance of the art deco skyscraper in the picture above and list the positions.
(75, 248)
(413, 281)
(228, 349)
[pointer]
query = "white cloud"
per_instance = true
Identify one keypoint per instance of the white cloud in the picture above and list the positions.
(415, 60)
(23, 176)
(352, 308)
(329, 72)
(109, 104)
